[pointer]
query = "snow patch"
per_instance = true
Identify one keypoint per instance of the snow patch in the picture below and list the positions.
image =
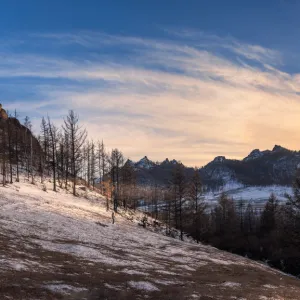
(134, 272)
(143, 285)
(231, 284)
(165, 282)
(64, 289)
(270, 286)
(112, 287)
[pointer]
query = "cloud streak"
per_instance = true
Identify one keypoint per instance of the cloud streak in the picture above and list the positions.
(189, 98)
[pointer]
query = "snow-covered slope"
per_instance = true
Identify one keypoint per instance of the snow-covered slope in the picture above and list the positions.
(56, 246)
(257, 195)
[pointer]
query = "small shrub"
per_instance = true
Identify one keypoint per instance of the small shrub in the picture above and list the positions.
(44, 188)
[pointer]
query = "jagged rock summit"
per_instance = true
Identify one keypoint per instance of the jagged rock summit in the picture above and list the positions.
(279, 148)
(145, 163)
(219, 159)
(256, 153)
(3, 114)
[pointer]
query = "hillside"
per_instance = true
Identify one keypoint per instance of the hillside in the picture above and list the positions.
(16, 140)
(276, 166)
(56, 246)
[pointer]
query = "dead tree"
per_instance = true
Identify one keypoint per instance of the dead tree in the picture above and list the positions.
(77, 137)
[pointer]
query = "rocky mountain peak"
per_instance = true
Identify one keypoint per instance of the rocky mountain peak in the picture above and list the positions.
(145, 163)
(219, 159)
(166, 161)
(174, 162)
(256, 153)
(278, 148)
(129, 162)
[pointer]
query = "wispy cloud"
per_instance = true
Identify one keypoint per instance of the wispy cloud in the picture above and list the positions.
(211, 41)
(183, 97)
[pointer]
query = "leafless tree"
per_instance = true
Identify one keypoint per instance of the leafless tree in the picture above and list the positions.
(77, 137)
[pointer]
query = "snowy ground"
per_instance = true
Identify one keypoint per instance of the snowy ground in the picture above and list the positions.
(56, 246)
(257, 195)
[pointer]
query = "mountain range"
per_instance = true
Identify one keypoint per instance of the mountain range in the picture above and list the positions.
(276, 166)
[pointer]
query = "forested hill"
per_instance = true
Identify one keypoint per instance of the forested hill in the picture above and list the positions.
(276, 166)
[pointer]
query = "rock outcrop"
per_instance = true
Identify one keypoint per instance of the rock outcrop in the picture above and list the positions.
(219, 159)
(3, 114)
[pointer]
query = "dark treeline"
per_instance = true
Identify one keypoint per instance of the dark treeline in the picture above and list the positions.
(69, 158)
(271, 234)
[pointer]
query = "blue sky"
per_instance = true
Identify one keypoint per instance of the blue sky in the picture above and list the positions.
(270, 22)
(181, 79)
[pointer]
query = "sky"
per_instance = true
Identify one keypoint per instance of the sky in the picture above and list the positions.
(189, 80)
